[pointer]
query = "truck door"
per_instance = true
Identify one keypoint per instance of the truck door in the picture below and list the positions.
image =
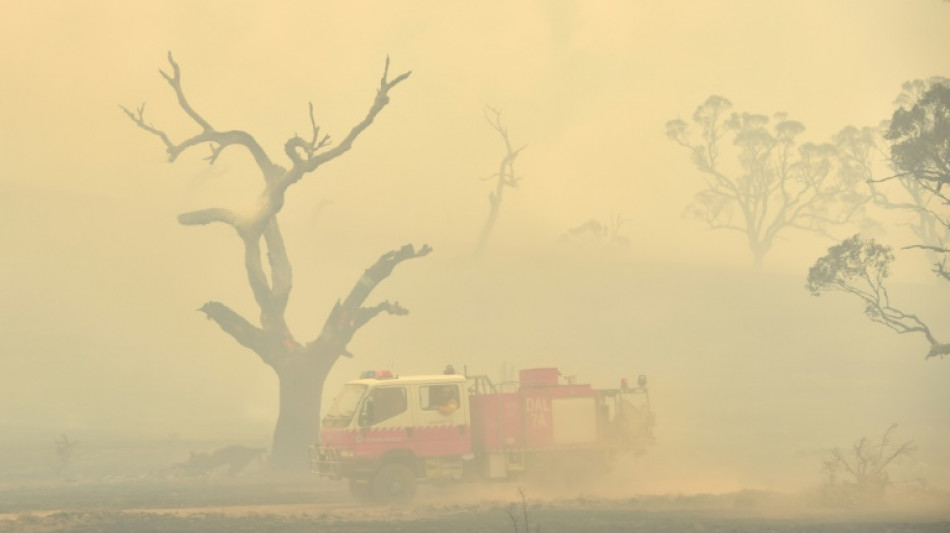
(442, 426)
(385, 420)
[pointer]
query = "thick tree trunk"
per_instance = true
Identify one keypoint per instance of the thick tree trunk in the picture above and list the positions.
(758, 258)
(301, 391)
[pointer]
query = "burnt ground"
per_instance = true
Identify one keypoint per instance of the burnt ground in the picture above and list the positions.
(258, 504)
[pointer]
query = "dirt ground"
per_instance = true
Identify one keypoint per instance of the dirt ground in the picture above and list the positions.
(259, 504)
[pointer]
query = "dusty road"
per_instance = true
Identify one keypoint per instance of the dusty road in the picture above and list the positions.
(239, 506)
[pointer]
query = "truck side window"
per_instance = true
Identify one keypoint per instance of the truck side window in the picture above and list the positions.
(442, 398)
(387, 403)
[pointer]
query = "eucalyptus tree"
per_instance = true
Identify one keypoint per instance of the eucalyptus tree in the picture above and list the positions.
(760, 180)
(919, 137)
(916, 204)
(860, 267)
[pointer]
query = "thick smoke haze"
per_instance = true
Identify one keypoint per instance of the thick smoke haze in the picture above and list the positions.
(752, 378)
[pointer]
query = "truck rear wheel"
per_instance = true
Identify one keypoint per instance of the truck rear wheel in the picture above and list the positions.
(394, 483)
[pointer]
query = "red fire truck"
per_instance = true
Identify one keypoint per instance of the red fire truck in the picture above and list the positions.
(383, 433)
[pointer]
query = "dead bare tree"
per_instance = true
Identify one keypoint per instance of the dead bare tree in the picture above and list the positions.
(861, 475)
(595, 231)
(505, 177)
(301, 368)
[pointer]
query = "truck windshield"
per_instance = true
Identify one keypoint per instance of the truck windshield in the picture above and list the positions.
(344, 406)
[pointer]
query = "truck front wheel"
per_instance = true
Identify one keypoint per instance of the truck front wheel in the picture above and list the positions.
(394, 483)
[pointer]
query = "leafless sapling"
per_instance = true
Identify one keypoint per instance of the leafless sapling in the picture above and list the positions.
(505, 177)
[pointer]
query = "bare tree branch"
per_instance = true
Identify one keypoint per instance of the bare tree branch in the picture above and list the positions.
(138, 117)
(309, 147)
(939, 249)
(175, 81)
(208, 134)
(241, 330)
(382, 98)
(208, 216)
(365, 314)
(349, 315)
(273, 195)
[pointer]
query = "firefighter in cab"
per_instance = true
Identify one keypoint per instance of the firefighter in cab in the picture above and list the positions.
(449, 404)
(448, 401)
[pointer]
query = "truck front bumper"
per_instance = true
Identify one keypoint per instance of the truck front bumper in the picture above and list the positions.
(336, 463)
(326, 462)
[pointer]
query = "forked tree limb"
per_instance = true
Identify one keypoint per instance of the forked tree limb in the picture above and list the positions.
(218, 139)
(207, 216)
(245, 333)
(276, 190)
(277, 178)
(309, 147)
(349, 315)
(175, 81)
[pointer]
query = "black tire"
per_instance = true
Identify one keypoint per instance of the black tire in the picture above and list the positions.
(394, 483)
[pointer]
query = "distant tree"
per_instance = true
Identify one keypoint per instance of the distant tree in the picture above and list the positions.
(301, 368)
(595, 231)
(776, 183)
(504, 178)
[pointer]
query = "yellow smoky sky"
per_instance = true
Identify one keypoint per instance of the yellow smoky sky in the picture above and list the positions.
(99, 284)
